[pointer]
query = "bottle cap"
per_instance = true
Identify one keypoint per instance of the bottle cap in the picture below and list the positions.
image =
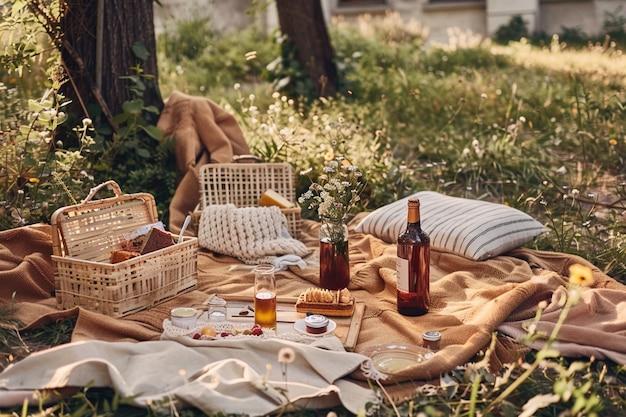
(431, 336)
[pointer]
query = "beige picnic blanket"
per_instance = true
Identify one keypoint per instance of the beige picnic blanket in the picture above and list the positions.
(471, 301)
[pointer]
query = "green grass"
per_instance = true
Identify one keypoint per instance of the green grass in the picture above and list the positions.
(542, 129)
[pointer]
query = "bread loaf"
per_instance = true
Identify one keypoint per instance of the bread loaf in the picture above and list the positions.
(157, 239)
(272, 198)
(122, 255)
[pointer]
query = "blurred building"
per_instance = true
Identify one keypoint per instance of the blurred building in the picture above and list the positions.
(480, 17)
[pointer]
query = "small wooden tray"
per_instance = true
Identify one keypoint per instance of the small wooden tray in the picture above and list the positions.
(327, 309)
(348, 327)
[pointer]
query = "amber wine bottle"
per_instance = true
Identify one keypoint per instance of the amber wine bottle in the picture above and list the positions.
(413, 265)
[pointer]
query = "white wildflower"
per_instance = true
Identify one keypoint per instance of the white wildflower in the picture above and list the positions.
(286, 355)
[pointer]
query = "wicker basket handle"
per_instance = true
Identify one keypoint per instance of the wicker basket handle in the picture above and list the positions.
(111, 184)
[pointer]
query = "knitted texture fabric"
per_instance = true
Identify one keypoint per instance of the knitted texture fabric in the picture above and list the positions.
(251, 234)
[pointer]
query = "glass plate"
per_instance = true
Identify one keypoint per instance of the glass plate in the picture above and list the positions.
(392, 358)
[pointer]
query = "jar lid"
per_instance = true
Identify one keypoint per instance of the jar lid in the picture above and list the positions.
(217, 301)
(431, 335)
(316, 321)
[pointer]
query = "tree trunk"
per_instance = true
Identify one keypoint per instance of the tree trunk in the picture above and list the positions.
(97, 49)
(302, 21)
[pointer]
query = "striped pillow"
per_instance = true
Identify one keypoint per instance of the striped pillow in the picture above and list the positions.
(472, 228)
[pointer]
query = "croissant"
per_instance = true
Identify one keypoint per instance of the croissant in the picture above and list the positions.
(328, 302)
(321, 295)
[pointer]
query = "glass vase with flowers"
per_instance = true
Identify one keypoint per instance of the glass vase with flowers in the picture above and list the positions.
(333, 195)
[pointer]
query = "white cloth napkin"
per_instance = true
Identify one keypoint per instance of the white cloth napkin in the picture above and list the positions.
(234, 377)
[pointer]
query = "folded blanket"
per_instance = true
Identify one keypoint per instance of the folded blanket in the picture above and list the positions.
(25, 264)
(203, 133)
(234, 377)
(254, 235)
(594, 326)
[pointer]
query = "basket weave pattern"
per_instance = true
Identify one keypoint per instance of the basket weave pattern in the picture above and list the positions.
(84, 236)
(242, 184)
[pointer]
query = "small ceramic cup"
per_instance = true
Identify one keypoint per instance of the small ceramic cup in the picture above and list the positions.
(184, 317)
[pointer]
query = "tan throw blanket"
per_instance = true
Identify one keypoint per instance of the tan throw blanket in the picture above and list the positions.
(203, 133)
(470, 299)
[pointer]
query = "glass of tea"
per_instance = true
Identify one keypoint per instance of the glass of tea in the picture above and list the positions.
(265, 296)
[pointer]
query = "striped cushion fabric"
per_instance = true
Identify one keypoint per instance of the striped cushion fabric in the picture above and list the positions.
(472, 228)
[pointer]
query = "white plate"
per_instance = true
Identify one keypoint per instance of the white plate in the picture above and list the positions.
(301, 327)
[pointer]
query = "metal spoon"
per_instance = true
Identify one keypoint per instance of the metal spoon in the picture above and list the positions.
(182, 231)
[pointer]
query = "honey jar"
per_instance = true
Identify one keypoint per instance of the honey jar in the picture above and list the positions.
(316, 324)
(431, 340)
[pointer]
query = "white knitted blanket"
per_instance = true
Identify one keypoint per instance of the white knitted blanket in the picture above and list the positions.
(251, 234)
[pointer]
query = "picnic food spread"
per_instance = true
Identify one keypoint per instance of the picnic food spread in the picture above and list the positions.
(475, 300)
(470, 301)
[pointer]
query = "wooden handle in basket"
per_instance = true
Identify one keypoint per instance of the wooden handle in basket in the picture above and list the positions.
(110, 183)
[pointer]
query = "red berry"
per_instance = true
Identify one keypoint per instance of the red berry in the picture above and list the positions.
(224, 334)
(197, 336)
(257, 331)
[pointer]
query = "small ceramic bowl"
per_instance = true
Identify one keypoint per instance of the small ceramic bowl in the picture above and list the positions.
(184, 317)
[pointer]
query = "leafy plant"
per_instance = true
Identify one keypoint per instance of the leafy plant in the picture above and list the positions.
(37, 174)
(136, 155)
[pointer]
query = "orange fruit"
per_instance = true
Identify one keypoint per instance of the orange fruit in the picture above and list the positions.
(208, 331)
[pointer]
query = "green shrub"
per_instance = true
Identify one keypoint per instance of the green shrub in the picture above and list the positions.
(187, 41)
(223, 60)
(37, 173)
(515, 30)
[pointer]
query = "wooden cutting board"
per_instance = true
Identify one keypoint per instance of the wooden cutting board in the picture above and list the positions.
(347, 329)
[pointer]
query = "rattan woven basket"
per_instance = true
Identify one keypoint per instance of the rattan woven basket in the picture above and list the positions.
(83, 237)
(242, 184)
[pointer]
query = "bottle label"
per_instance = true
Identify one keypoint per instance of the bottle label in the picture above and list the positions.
(402, 269)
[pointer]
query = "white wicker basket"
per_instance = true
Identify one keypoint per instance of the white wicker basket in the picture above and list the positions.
(242, 184)
(84, 235)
